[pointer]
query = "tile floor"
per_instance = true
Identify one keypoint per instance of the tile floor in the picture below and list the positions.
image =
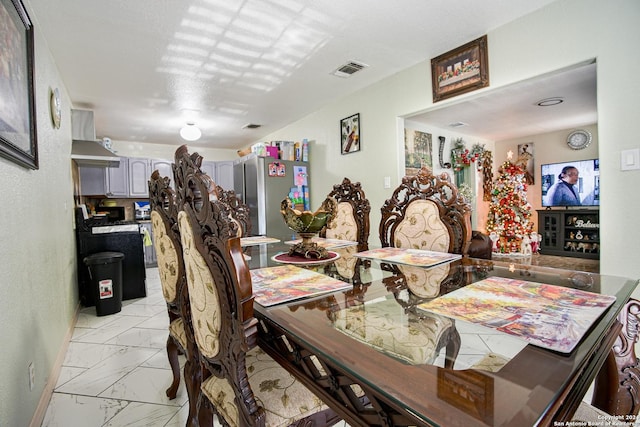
(116, 371)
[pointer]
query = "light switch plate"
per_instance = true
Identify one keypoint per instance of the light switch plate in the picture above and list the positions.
(630, 159)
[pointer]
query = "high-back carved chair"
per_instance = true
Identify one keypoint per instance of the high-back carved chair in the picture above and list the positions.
(164, 221)
(352, 214)
(241, 383)
(238, 211)
(350, 223)
(426, 212)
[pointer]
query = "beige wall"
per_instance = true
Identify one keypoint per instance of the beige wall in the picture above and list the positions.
(38, 295)
(536, 44)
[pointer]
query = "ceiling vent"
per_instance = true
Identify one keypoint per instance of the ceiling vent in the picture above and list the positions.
(349, 69)
(456, 124)
(251, 126)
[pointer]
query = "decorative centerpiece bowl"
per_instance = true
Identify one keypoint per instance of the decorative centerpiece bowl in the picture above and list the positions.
(307, 224)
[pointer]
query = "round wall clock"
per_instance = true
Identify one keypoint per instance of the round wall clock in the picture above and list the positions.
(579, 139)
(55, 106)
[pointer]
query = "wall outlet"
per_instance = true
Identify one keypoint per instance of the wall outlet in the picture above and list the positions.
(32, 376)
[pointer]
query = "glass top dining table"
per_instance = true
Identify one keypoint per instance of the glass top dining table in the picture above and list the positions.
(378, 359)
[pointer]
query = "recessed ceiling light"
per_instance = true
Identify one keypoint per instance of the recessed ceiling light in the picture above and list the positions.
(548, 102)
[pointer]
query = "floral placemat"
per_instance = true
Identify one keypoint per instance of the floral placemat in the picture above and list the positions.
(549, 316)
(415, 257)
(285, 283)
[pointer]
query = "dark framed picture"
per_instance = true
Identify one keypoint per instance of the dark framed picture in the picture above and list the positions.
(17, 109)
(350, 134)
(460, 70)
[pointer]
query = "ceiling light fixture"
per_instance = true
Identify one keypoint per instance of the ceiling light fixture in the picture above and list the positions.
(190, 132)
(548, 102)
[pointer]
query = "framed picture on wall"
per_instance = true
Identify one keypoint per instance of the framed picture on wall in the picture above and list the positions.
(350, 134)
(17, 111)
(526, 161)
(461, 70)
(417, 151)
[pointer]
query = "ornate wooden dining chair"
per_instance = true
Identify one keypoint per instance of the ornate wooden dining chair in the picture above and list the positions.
(350, 223)
(164, 217)
(426, 212)
(238, 211)
(241, 384)
(352, 214)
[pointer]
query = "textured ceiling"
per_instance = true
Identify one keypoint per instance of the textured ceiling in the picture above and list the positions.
(145, 67)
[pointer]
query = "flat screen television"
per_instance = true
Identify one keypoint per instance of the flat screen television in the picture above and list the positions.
(580, 190)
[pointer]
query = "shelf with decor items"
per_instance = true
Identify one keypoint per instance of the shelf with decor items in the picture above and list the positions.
(571, 232)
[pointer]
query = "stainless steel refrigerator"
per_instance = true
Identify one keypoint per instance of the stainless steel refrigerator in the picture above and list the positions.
(263, 182)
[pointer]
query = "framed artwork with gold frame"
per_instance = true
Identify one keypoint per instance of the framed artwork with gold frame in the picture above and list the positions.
(461, 70)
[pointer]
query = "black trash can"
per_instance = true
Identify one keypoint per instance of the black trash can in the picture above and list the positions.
(105, 272)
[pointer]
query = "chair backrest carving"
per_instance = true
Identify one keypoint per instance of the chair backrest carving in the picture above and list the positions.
(426, 212)
(220, 292)
(166, 240)
(238, 211)
(352, 216)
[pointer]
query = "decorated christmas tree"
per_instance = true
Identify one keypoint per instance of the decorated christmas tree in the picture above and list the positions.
(509, 224)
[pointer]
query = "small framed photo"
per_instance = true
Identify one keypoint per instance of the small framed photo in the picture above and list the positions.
(350, 134)
(17, 111)
(460, 70)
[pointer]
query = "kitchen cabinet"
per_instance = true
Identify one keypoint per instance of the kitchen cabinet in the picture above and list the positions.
(101, 181)
(209, 168)
(221, 173)
(224, 174)
(118, 179)
(131, 178)
(92, 180)
(164, 168)
(139, 173)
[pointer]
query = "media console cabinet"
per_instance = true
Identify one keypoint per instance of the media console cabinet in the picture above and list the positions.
(570, 232)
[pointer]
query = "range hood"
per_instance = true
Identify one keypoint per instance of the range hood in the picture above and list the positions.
(85, 150)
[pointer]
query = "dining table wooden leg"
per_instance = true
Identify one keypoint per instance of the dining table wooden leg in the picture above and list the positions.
(617, 385)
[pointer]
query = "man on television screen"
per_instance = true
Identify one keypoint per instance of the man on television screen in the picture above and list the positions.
(563, 192)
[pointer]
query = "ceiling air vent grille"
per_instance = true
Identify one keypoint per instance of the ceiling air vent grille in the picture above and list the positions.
(457, 124)
(349, 69)
(251, 126)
